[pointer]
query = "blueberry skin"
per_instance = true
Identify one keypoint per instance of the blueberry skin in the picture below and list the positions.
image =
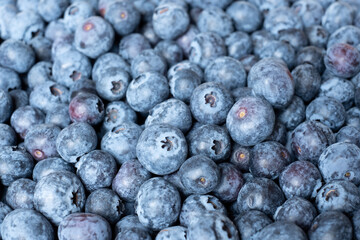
(19, 97)
(16, 226)
(84, 226)
(70, 67)
(7, 135)
(123, 16)
(300, 178)
(57, 30)
(148, 61)
(238, 45)
(116, 113)
(310, 139)
(185, 39)
(26, 25)
(250, 121)
(269, 159)
(260, 194)
(347, 34)
(68, 196)
(341, 9)
(261, 39)
(106, 203)
(182, 84)
(173, 112)
(50, 165)
(240, 157)
(295, 37)
(211, 141)
(338, 195)
(82, 85)
(76, 140)
(266, 6)
(210, 103)
(96, 169)
(172, 233)
(214, 19)
(121, 141)
(340, 162)
(333, 224)
(133, 233)
(293, 114)
(51, 9)
(107, 61)
(93, 37)
(296, 210)
(170, 51)
(147, 30)
(24, 118)
(7, 13)
(16, 162)
(16, 55)
(9, 79)
(128, 180)
(185, 65)
(251, 223)
(328, 111)
(76, 13)
(132, 45)
(226, 70)
(147, 90)
(205, 3)
(161, 149)
(157, 204)
(213, 226)
(348, 134)
(281, 230)
(59, 116)
(271, 79)
(279, 49)
(281, 18)
(340, 89)
(241, 92)
(4, 210)
(353, 117)
(129, 222)
(318, 36)
(112, 85)
(246, 16)
(199, 174)
(170, 21)
(310, 12)
(355, 221)
(20, 194)
(206, 47)
(6, 106)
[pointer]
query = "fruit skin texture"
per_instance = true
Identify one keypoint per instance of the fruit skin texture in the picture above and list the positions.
(251, 223)
(250, 121)
(20, 194)
(157, 204)
(281, 230)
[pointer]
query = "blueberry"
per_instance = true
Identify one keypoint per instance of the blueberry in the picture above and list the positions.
(341, 9)
(260, 39)
(9, 79)
(87, 107)
(76, 13)
(185, 65)
(238, 45)
(250, 121)
(172, 233)
(353, 117)
(157, 204)
(68, 191)
(87, 226)
(7, 135)
(205, 3)
(107, 61)
(51, 165)
(251, 223)
(76, 140)
(51, 9)
(56, 30)
(265, 6)
(241, 92)
(313, 55)
(148, 61)
(121, 141)
(281, 230)
(170, 51)
(246, 16)
(132, 45)
(348, 34)
(129, 222)
(279, 49)
(26, 25)
(281, 18)
(19, 97)
(20, 194)
(240, 156)
(332, 224)
(133, 233)
(182, 84)
(7, 13)
(116, 113)
(16, 226)
(147, 30)
(58, 115)
(4, 210)
(185, 39)
(317, 35)
(112, 85)
(348, 134)
(96, 169)
(295, 37)
(355, 221)
(24, 118)
(293, 114)
(309, 11)
(300, 178)
(6, 106)
(260, 194)
(82, 85)
(214, 19)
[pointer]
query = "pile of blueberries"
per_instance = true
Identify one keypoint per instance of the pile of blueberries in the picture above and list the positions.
(179, 119)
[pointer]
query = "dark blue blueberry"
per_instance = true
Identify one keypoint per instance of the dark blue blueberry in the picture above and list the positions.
(24, 118)
(293, 114)
(172, 233)
(93, 37)
(206, 47)
(295, 37)
(26, 224)
(281, 18)
(211, 141)
(199, 174)
(6, 106)
(19, 98)
(173, 112)
(96, 170)
(132, 45)
(349, 134)
(4, 210)
(123, 16)
(251, 223)
(269, 159)
(70, 67)
(68, 191)
(82, 85)
(20, 194)
(7, 13)
(250, 121)
(16, 55)
(170, 51)
(107, 61)
(51, 165)
(26, 25)
(345, 15)
(214, 19)
(281, 230)
(76, 13)
(148, 61)
(279, 49)
(112, 84)
(328, 111)
(310, 12)
(246, 16)
(84, 226)
(157, 204)
(116, 113)
(52, 9)
(310, 139)
(147, 90)
(76, 140)
(338, 195)
(238, 45)
(260, 194)
(133, 233)
(183, 83)
(271, 79)
(87, 107)
(7, 135)
(312, 55)
(129, 222)
(9, 79)
(317, 35)
(170, 21)
(185, 40)
(240, 157)
(128, 180)
(307, 81)
(106, 203)
(121, 141)
(353, 117)
(58, 115)
(348, 34)
(331, 224)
